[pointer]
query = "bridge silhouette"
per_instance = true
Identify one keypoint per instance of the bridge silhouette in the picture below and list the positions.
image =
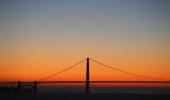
(88, 81)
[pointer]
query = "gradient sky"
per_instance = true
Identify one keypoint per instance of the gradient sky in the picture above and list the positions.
(40, 37)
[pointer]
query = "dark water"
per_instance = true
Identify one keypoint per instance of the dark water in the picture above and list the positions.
(97, 93)
(82, 96)
(127, 90)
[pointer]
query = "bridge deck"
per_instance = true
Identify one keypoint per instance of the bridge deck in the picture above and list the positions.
(107, 82)
(167, 82)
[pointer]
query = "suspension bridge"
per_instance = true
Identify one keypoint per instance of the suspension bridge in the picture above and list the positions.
(125, 77)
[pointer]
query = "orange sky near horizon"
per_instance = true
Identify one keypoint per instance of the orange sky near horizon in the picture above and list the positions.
(37, 69)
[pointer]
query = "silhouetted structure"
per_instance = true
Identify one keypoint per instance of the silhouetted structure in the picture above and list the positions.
(19, 86)
(88, 77)
(34, 85)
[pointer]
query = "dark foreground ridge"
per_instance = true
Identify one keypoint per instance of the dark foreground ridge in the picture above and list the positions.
(81, 96)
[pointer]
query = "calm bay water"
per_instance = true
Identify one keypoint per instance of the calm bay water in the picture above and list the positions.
(106, 88)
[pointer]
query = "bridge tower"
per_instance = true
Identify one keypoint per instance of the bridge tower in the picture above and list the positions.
(87, 77)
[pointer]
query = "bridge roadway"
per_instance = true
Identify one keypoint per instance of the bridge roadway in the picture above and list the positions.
(166, 82)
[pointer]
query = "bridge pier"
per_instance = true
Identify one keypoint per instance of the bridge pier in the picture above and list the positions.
(19, 86)
(87, 77)
(35, 86)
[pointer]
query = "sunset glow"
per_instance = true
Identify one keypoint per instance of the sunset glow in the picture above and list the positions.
(38, 39)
